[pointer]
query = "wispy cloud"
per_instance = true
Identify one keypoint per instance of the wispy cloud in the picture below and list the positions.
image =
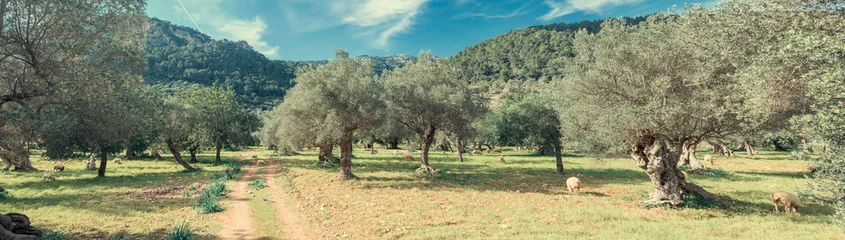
(517, 12)
(565, 7)
(379, 19)
(210, 13)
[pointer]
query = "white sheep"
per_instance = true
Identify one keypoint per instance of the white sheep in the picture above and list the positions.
(117, 161)
(260, 162)
(709, 159)
(501, 159)
(573, 184)
(789, 201)
(49, 177)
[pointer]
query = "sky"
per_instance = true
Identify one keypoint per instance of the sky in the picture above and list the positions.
(312, 29)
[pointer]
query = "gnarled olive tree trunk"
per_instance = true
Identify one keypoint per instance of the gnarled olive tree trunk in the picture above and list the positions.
(193, 152)
(346, 158)
(428, 139)
(461, 145)
(217, 156)
(688, 157)
(659, 158)
(15, 226)
(749, 150)
(722, 149)
(104, 159)
(326, 153)
(16, 157)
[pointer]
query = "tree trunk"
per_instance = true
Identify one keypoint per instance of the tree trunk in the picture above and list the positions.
(559, 158)
(659, 159)
(174, 149)
(461, 149)
(393, 144)
(372, 146)
(193, 152)
(15, 226)
(101, 172)
(688, 157)
(428, 139)
(722, 149)
(326, 153)
(489, 148)
(16, 157)
(217, 157)
(157, 156)
(749, 150)
(346, 158)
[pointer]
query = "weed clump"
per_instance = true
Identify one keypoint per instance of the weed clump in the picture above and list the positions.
(180, 231)
(258, 184)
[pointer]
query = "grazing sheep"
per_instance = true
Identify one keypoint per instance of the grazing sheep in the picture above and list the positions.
(476, 152)
(497, 150)
(501, 159)
(709, 159)
(573, 184)
(117, 160)
(260, 162)
(408, 156)
(59, 167)
(49, 177)
(789, 201)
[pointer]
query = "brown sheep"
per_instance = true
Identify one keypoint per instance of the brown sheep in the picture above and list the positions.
(709, 159)
(49, 177)
(474, 152)
(573, 184)
(497, 150)
(789, 201)
(501, 159)
(260, 162)
(410, 157)
(59, 167)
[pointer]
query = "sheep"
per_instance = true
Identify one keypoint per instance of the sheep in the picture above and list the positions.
(789, 201)
(117, 161)
(501, 158)
(497, 150)
(709, 159)
(474, 152)
(260, 162)
(59, 167)
(410, 157)
(573, 184)
(49, 177)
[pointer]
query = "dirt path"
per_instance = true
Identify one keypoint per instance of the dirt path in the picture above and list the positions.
(238, 222)
(284, 212)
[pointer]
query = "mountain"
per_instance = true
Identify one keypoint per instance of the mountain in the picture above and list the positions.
(180, 55)
(531, 53)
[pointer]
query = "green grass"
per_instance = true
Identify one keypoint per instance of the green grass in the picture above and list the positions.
(181, 231)
(524, 199)
(136, 199)
(266, 223)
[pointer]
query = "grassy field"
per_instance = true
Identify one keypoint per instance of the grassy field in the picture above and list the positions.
(523, 199)
(477, 199)
(138, 199)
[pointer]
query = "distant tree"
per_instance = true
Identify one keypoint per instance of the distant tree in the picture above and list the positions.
(430, 96)
(221, 119)
(531, 122)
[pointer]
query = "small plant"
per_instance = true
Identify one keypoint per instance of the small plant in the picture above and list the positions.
(180, 231)
(327, 165)
(206, 203)
(219, 177)
(52, 235)
(186, 193)
(258, 184)
(3, 194)
(193, 187)
(254, 157)
(217, 188)
(235, 166)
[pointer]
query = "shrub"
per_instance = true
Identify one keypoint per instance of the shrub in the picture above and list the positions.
(258, 184)
(207, 203)
(3, 194)
(180, 232)
(217, 188)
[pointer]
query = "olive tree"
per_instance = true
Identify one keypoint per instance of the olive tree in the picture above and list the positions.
(221, 119)
(531, 121)
(430, 96)
(330, 103)
(54, 54)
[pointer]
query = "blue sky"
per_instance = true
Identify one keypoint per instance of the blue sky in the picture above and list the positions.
(312, 29)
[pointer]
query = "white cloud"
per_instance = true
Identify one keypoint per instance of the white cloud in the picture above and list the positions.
(562, 8)
(517, 12)
(380, 20)
(210, 15)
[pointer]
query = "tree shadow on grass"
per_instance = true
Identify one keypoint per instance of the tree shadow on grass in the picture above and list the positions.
(160, 233)
(776, 174)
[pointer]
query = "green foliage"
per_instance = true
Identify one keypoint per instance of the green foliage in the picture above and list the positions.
(181, 231)
(258, 184)
(4, 194)
(53, 235)
(207, 203)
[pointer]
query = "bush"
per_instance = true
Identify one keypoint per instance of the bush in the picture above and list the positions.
(217, 188)
(258, 184)
(180, 232)
(236, 166)
(3, 194)
(207, 203)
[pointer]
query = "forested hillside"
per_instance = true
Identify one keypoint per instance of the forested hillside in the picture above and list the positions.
(531, 53)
